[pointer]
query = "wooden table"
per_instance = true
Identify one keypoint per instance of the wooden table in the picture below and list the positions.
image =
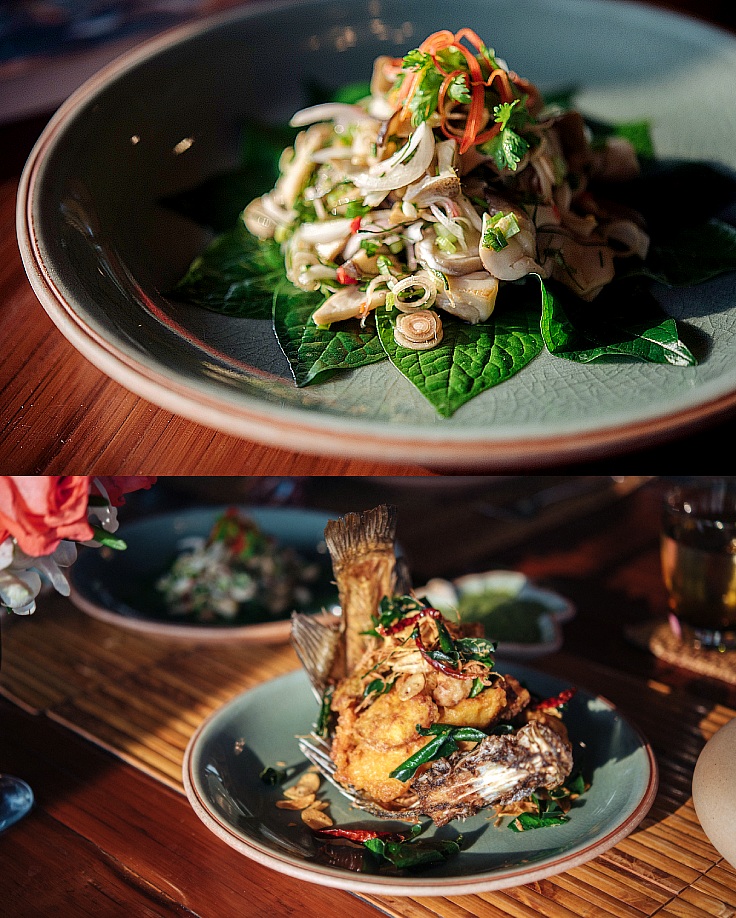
(59, 412)
(96, 718)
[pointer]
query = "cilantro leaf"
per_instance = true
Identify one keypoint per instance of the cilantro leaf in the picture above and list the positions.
(429, 80)
(507, 148)
(504, 113)
(458, 89)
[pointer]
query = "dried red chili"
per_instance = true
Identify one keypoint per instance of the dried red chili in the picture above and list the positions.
(409, 620)
(555, 701)
(360, 835)
(440, 665)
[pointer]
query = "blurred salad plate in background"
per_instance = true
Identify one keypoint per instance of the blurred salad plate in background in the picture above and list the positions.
(211, 573)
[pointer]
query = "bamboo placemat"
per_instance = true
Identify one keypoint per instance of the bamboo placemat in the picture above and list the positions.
(142, 698)
(659, 638)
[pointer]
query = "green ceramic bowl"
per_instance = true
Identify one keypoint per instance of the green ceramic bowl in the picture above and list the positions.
(102, 251)
(258, 729)
(119, 587)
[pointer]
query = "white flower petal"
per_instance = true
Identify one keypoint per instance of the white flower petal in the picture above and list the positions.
(66, 554)
(6, 552)
(18, 591)
(48, 567)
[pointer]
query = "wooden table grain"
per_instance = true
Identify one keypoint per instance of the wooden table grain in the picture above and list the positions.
(59, 413)
(108, 838)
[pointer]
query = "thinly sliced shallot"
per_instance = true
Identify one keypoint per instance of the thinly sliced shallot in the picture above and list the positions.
(404, 167)
(339, 112)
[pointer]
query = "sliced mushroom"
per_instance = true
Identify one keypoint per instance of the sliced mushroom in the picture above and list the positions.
(632, 238)
(585, 266)
(384, 74)
(457, 263)
(258, 221)
(445, 184)
(518, 257)
(297, 172)
(432, 188)
(471, 297)
(348, 303)
(616, 161)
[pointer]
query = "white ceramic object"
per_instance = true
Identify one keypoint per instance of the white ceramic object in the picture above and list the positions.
(714, 790)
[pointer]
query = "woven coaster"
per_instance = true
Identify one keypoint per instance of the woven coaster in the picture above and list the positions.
(659, 638)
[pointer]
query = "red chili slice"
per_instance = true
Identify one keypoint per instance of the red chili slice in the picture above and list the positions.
(555, 701)
(360, 835)
(345, 277)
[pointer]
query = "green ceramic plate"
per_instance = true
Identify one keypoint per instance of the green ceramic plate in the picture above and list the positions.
(224, 759)
(102, 251)
(119, 586)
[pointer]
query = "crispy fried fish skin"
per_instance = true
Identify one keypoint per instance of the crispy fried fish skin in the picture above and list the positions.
(498, 771)
(368, 746)
(363, 553)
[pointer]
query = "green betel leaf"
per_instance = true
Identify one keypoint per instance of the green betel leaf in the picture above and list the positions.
(638, 133)
(623, 321)
(470, 359)
(236, 275)
(657, 194)
(315, 353)
(692, 254)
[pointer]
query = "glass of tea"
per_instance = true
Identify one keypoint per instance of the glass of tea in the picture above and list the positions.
(698, 551)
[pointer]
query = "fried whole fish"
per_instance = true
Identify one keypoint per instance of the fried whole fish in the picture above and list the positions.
(405, 679)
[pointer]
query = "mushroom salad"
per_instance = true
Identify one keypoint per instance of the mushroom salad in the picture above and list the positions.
(449, 218)
(450, 178)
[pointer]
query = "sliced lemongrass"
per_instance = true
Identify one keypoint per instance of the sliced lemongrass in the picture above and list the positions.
(418, 331)
(420, 281)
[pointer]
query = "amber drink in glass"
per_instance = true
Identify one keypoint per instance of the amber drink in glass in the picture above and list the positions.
(698, 551)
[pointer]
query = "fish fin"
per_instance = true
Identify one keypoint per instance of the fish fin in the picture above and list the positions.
(317, 643)
(355, 533)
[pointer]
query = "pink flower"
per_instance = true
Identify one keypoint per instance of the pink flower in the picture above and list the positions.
(119, 485)
(41, 510)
